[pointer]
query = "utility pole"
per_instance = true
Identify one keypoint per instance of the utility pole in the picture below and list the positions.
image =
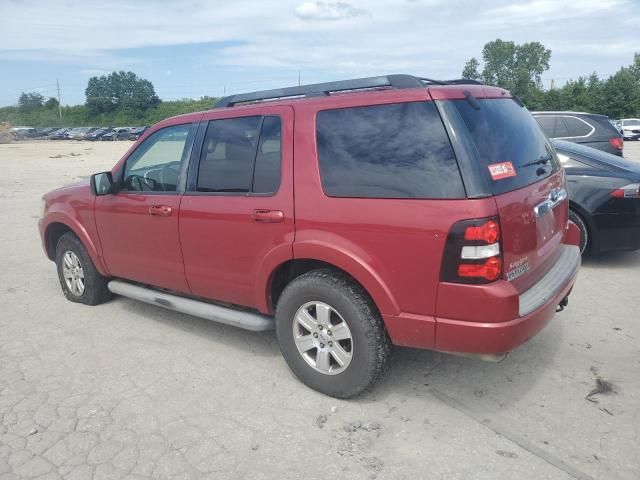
(59, 104)
(298, 77)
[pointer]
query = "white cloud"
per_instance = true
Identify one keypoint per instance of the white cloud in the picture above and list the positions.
(430, 37)
(328, 11)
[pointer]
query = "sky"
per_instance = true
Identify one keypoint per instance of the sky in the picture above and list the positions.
(193, 48)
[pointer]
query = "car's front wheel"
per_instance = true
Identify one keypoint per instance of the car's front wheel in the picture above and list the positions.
(79, 279)
(331, 334)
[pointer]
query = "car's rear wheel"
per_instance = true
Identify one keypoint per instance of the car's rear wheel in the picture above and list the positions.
(331, 334)
(584, 231)
(79, 279)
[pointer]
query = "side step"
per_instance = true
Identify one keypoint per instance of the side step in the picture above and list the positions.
(216, 313)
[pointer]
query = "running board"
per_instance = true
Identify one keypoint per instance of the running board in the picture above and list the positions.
(216, 313)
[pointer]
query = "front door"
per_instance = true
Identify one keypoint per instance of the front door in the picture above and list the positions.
(237, 212)
(138, 225)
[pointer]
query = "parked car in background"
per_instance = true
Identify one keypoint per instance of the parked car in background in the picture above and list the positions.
(58, 134)
(77, 133)
(43, 132)
(21, 133)
(137, 132)
(121, 133)
(587, 129)
(426, 214)
(629, 128)
(604, 197)
(97, 134)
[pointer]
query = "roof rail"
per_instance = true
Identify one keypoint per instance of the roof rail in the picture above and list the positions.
(398, 81)
(463, 81)
(322, 89)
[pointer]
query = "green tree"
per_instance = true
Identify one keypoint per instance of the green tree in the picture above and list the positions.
(621, 94)
(471, 70)
(518, 68)
(120, 90)
(51, 103)
(30, 102)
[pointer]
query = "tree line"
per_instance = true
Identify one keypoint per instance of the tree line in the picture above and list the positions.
(123, 98)
(118, 99)
(519, 68)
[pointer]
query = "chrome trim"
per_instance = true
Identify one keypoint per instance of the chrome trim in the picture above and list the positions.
(552, 282)
(208, 311)
(556, 196)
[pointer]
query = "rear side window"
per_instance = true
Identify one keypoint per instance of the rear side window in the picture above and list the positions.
(577, 127)
(241, 155)
(553, 126)
(387, 151)
(503, 131)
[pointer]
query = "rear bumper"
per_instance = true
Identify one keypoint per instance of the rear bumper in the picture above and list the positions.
(537, 307)
(494, 318)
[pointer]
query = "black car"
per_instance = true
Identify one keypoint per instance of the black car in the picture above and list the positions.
(97, 134)
(137, 132)
(588, 129)
(116, 134)
(58, 134)
(604, 197)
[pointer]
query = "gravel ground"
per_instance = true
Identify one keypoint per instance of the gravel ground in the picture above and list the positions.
(127, 390)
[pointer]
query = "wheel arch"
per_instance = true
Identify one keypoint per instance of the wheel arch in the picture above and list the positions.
(586, 218)
(350, 266)
(57, 226)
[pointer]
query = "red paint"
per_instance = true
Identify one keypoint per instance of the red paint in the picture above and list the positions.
(227, 247)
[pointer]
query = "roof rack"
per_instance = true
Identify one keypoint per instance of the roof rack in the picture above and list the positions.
(322, 89)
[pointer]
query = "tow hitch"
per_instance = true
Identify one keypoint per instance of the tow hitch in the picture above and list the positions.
(562, 304)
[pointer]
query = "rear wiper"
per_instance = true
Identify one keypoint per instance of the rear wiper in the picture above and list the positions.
(540, 161)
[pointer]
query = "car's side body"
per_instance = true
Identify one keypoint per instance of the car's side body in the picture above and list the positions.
(241, 248)
(594, 181)
(589, 129)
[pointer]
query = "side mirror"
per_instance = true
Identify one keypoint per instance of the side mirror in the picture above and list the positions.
(102, 183)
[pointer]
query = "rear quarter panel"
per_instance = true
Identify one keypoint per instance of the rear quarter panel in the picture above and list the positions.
(393, 247)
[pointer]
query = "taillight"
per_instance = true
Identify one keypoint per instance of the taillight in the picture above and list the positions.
(617, 143)
(629, 191)
(472, 253)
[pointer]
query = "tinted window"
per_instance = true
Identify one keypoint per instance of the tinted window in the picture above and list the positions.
(553, 126)
(576, 127)
(228, 155)
(266, 175)
(155, 164)
(387, 151)
(504, 131)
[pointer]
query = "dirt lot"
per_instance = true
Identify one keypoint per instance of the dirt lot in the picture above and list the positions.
(130, 390)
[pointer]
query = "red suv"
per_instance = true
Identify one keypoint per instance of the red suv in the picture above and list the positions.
(348, 215)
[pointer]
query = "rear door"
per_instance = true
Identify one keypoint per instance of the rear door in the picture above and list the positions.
(526, 179)
(237, 213)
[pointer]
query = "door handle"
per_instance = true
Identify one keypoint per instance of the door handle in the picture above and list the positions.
(160, 210)
(268, 216)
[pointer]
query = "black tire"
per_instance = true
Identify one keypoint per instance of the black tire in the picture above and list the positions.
(370, 344)
(584, 231)
(95, 285)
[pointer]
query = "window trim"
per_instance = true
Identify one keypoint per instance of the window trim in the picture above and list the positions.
(184, 162)
(593, 129)
(191, 180)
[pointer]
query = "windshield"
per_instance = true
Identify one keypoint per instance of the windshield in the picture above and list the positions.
(508, 141)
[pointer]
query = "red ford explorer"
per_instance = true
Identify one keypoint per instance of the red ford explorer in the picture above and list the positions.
(348, 216)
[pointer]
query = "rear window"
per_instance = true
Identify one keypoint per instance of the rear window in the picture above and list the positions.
(504, 132)
(387, 151)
